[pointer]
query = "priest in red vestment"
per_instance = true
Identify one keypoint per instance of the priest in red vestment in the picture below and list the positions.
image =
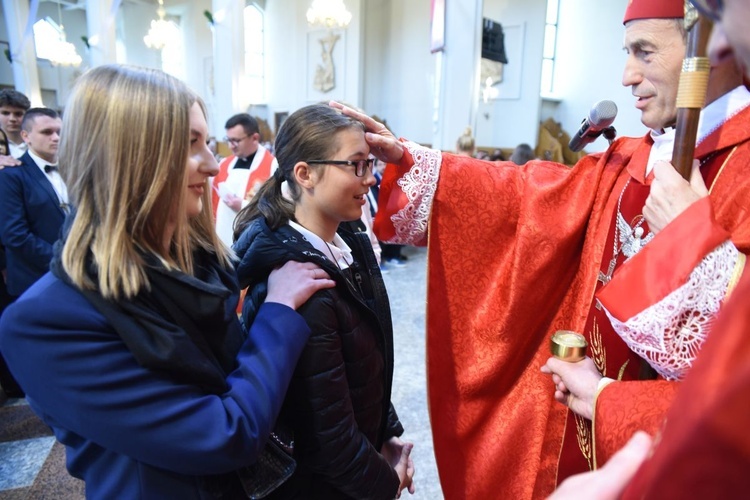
(516, 253)
(240, 174)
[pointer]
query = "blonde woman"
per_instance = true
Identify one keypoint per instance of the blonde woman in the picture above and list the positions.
(138, 362)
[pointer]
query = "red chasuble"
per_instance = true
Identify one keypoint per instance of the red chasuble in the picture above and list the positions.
(506, 245)
(514, 255)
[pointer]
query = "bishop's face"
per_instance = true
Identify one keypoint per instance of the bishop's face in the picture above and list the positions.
(655, 49)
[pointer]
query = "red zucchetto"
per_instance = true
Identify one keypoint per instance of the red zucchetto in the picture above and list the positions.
(654, 9)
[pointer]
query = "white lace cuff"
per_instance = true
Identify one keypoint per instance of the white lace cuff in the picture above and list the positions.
(670, 333)
(419, 185)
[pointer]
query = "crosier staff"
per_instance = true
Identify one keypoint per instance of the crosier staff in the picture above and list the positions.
(691, 94)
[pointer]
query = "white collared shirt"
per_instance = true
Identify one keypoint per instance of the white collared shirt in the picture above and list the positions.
(337, 251)
(712, 117)
(17, 150)
(54, 178)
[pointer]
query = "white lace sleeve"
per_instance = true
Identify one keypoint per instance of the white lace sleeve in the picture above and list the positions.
(419, 185)
(669, 334)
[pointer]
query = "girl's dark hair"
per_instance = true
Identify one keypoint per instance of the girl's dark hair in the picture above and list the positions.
(308, 134)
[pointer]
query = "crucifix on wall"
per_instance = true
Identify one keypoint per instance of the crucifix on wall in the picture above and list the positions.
(325, 71)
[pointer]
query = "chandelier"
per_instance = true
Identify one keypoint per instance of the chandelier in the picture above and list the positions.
(63, 53)
(328, 13)
(161, 31)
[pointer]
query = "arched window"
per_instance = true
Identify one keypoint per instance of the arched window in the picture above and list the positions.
(50, 43)
(47, 36)
(550, 44)
(255, 61)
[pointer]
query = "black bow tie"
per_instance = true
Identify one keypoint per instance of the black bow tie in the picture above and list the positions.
(50, 168)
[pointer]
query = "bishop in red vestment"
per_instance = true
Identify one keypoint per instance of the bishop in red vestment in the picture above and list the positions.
(515, 254)
(702, 449)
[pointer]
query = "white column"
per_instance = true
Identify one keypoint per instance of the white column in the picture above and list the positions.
(229, 61)
(25, 74)
(100, 24)
(457, 70)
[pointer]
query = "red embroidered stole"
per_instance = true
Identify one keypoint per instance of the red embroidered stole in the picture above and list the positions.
(259, 175)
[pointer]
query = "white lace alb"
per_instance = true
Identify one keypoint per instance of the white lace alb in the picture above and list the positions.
(670, 333)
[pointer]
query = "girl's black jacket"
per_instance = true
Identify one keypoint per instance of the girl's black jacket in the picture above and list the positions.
(339, 400)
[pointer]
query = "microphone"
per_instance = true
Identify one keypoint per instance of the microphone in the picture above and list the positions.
(600, 118)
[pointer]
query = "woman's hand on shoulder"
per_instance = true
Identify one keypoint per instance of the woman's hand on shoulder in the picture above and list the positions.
(8, 161)
(295, 282)
(383, 144)
(398, 454)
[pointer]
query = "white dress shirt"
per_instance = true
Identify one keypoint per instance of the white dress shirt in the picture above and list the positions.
(17, 150)
(711, 118)
(54, 178)
(336, 251)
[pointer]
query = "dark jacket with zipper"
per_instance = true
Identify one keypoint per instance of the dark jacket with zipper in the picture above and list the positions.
(338, 403)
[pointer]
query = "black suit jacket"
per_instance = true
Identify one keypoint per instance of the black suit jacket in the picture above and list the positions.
(30, 222)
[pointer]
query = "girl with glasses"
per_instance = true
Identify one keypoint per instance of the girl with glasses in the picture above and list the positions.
(338, 405)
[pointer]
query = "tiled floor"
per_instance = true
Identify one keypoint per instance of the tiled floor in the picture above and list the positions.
(32, 465)
(406, 289)
(22, 461)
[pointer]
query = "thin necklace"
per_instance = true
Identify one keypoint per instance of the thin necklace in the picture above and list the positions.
(630, 239)
(349, 266)
(333, 257)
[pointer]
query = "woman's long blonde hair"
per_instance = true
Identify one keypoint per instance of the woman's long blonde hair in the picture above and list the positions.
(123, 154)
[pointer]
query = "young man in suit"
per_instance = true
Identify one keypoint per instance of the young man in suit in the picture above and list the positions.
(33, 204)
(13, 105)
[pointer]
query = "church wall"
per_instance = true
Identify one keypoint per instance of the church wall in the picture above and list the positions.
(294, 53)
(384, 64)
(513, 118)
(399, 69)
(590, 63)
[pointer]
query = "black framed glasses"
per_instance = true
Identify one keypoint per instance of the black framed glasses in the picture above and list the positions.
(360, 166)
(712, 9)
(235, 141)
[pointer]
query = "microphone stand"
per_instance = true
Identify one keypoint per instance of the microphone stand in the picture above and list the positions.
(610, 134)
